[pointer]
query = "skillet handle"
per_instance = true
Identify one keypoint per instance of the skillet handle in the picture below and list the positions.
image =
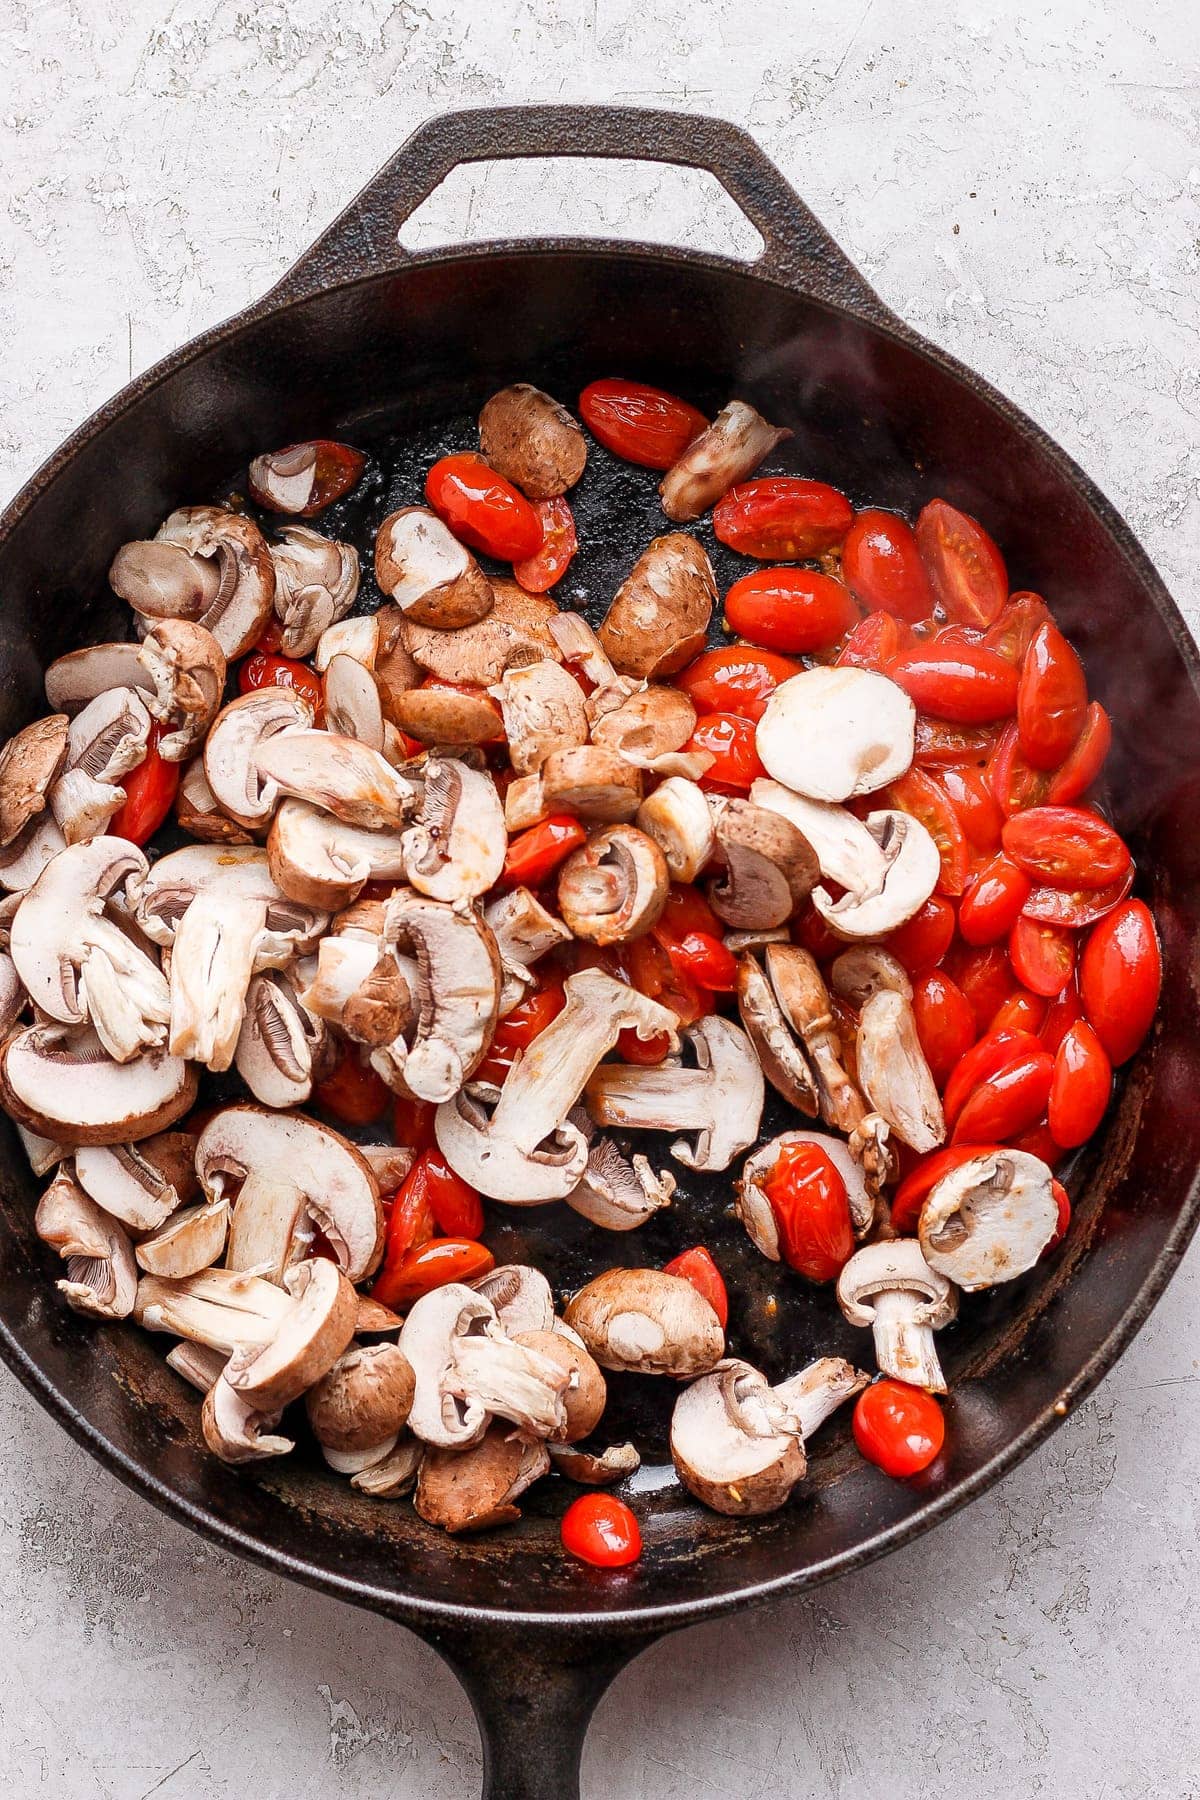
(797, 250)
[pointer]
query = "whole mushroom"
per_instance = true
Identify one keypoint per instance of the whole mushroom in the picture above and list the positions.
(648, 1323)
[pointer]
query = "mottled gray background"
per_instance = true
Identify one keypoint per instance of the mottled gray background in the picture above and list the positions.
(1022, 183)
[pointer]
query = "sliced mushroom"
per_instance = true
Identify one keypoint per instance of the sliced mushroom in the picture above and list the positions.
(890, 1287)
(434, 1323)
(307, 1341)
(578, 644)
(339, 775)
(509, 1379)
(474, 1490)
(521, 1296)
(754, 1209)
(524, 932)
(60, 1083)
(352, 704)
(543, 709)
(141, 1184)
(614, 887)
(316, 582)
(25, 858)
(830, 733)
(770, 867)
(13, 998)
(679, 819)
(515, 632)
(721, 1100)
(783, 1061)
(595, 1469)
(76, 678)
(231, 751)
(395, 1475)
(219, 1308)
(196, 1364)
(29, 763)
(593, 783)
(204, 564)
(280, 1043)
(648, 730)
(616, 1194)
(800, 989)
(428, 573)
(531, 440)
(732, 448)
(845, 849)
(892, 1070)
(660, 613)
(456, 849)
(444, 716)
(192, 1239)
(319, 861)
(458, 990)
(238, 1431)
(362, 638)
(186, 666)
(105, 742)
(586, 1393)
(819, 1389)
(989, 1220)
(43, 1154)
(364, 1399)
(524, 804)
(912, 869)
(199, 813)
(648, 1323)
(101, 1278)
(304, 478)
(359, 985)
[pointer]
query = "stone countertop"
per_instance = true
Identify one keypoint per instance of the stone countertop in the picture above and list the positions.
(1022, 184)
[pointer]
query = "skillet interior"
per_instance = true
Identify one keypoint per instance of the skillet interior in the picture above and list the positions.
(393, 362)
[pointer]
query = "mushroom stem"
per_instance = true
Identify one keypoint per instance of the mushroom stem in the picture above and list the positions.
(819, 1389)
(212, 962)
(904, 1340)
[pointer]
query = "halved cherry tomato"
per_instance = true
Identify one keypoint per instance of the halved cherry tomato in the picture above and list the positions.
(697, 1267)
(412, 1123)
(1082, 767)
(652, 973)
(337, 468)
(150, 792)
(600, 1529)
(883, 567)
(353, 1091)
(922, 941)
(702, 958)
(923, 1177)
(1063, 1202)
(540, 571)
(1011, 1101)
(780, 518)
(810, 931)
(1022, 1011)
(1014, 783)
(937, 743)
(808, 1197)
(958, 682)
(533, 856)
(1014, 630)
(918, 794)
(517, 1030)
(263, 670)
(985, 976)
(409, 1221)
(994, 1052)
(1120, 975)
(975, 805)
(1081, 1086)
(945, 1022)
(456, 1207)
(431, 1265)
(1038, 1142)
(482, 509)
(966, 571)
(642, 424)
(647, 1053)
(730, 741)
(794, 610)
(1076, 907)
(1061, 1014)
(1042, 956)
(992, 903)
(873, 643)
(1066, 846)
(1051, 700)
(739, 680)
(899, 1428)
(686, 910)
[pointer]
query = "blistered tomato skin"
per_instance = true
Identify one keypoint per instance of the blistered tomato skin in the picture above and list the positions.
(601, 1530)
(780, 518)
(883, 568)
(428, 1266)
(1066, 846)
(482, 509)
(1120, 977)
(791, 610)
(873, 643)
(641, 424)
(899, 1428)
(730, 741)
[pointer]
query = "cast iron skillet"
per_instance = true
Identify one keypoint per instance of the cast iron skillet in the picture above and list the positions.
(360, 340)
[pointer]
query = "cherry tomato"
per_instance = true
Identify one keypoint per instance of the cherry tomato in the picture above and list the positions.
(1014, 783)
(412, 1123)
(533, 856)
(456, 1207)
(883, 567)
(1011, 1101)
(1063, 1201)
(150, 792)
(812, 1211)
(540, 571)
(353, 1091)
(1022, 1011)
(702, 958)
(1038, 1142)
(873, 643)
(263, 670)
(1076, 907)
(647, 1053)
(1082, 767)
(992, 903)
(958, 682)
(994, 1051)
(794, 610)
(730, 741)
(516, 1031)
(922, 941)
(697, 1267)
(1016, 627)
(918, 794)
(335, 471)
(985, 977)
(975, 805)
(1061, 1014)
(958, 636)
(780, 518)
(1081, 1086)
(938, 743)
(652, 973)
(1120, 975)
(600, 1529)
(966, 571)
(810, 931)
(686, 910)
(739, 680)
(1066, 846)
(409, 1222)
(482, 509)
(1051, 699)
(432, 1265)
(1042, 956)
(945, 1023)
(923, 1177)
(642, 424)
(899, 1428)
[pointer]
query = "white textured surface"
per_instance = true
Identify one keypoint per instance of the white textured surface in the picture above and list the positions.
(1022, 183)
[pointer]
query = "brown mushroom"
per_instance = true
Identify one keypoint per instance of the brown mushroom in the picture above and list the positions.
(101, 1277)
(770, 867)
(444, 716)
(428, 573)
(660, 612)
(516, 631)
(614, 887)
(474, 1489)
(543, 709)
(732, 448)
(647, 1322)
(187, 667)
(303, 479)
(316, 581)
(29, 763)
(60, 1084)
(592, 782)
(586, 1394)
(531, 440)
(204, 564)
(199, 813)
(650, 728)
(364, 1399)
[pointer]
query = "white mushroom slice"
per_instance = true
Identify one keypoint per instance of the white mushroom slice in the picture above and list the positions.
(543, 710)
(363, 1400)
(434, 1323)
(530, 439)
(524, 804)
(140, 1184)
(43, 1154)
(59, 1083)
(304, 478)
(236, 1430)
(340, 775)
(196, 1364)
(783, 1061)
(524, 932)
(357, 638)
(458, 990)
(74, 679)
(679, 819)
(755, 1210)
(592, 782)
(307, 1340)
(721, 1100)
(890, 1287)
(845, 849)
(989, 1220)
(13, 998)
(218, 1308)
(578, 644)
(199, 813)
(509, 1380)
(619, 1195)
(29, 763)
(660, 612)
(352, 705)
(428, 573)
(589, 1469)
(650, 728)
(732, 448)
(804, 1000)
(474, 1490)
(231, 750)
(456, 849)
(770, 867)
(735, 1444)
(164, 581)
(893, 1073)
(22, 861)
(106, 740)
(292, 1178)
(830, 733)
(186, 667)
(648, 1323)
(912, 869)
(529, 1152)
(224, 555)
(389, 1163)
(319, 861)
(364, 988)
(101, 1278)
(521, 1296)
(614, 887)
(316, 581)
(585, 1393)
(191, 1240)
(279, 1045)
(395, 1475)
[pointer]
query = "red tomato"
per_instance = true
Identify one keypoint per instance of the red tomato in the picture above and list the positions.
(1120, 975)
(810, 931)
(780, 518)
(1061, 1014)
(702, 958)
(687, 910)
(600, 1529)
(1022, 1011)
(922, 941)
(652, 973)
(697, 1267)
(1082, 767)
(540, 571)
(1009, 1102)
(1042, 956)
(939, 743)
(958, 682)
(899, 1428)
(975, 805)
(647, 1053)
(1014, 783)
(412, 1123)
(270, 639)
(739, 680)
(1051, 700)
(992, 904)
(534, 855)
(985, 977)
(409, 1222)
(945, 1023)
(482, 509)
(882, 564)
(918, 794)
(994, 1051)
(1015, 629)
(966, 571)
(516, 1031)
(1063, 1200)
(790, 609)
(1066, 846)
(921, 1180)
(150, 792)
(429, 1266)
(643, 424)
(263, 670)
(1081, 1086)
(873, 643)
(456, 1207)
(1076, 907)
(730, 741)
(1038, 1142)
(812, 1211)
(335, 471)
(353, 1092)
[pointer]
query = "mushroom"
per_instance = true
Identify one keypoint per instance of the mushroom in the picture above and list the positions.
(578, 644)
(196, 1364)
(890, 1287)
(800, 989)
(318, 861)
(362, 638)
(140, 1184)
(586, 1393)
(352, 704)
(231, 751)
(521, 1296)
(912, 869)
(845, 849)
(456, 849)
(445, 715)
(304, 478)
(308, 1338)
(199, 813)
(892, 1070)
(543, 709)
(29, 763)
(595, 1469)
(25, 858)
(280, 1043)
(190, 1240)
(13, 998)
(390, 1164)
(616, 1194)
(721, 1099)
(458, 990)
(293, 1179)
(42, 1154)
(475, 1489)
(436, 1323)
(524, 932)
(359, 985)
(830, 733)
(614, 887)
(186, 666)
(592, 782)
(236, 1430)
(364, 1399)
(648, 1323)
(730, 449)
(428, 573)
(76, 678)
(204, 564)
(105, 741)
(395, 1474)
(531, 440)
(679, 819)
(529, 1152)
(660, 612)
(524, 804)
(59, 1082)
(649, 729)
(755, 1210)
(989, 1220)
(781, 1058)
(770, 867)
(101, 1278)
(218, 1308)
(338, 774)
(516, 631)
(316, 582)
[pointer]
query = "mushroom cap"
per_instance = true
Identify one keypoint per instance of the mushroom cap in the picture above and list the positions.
(456, 850)
(74, 680)
(231, 751)
(735, 1445)
(650, 728)
(516, 631)
(616, 1194)
(61, 1084)
(316, 582)
(770, 867)
(428, 573)
(521, 1296)
(890, 1266)
(782, 1059)
(395, 1475)
(304, 478)
(339, 774)
(238, 611)
(587, 1393)
(830, 733)
(186, 665)
(592, 782)
(660, 613)
(236, 1430)
(427, 1338)
(235, 872)
(595, 1469)
(501, 1169)
(731, 449)
(458, 990)
(220, 1308)
(141, 1184)
(163, 580)
(365, 1397)
(893, 1072)
(679, 819)
(543, 709)
(101, 1277)
(530, 439)
(989, 1219)
(614, 887)
(442, 715)
(844, 848)
(310, 1337)
(647, 1322)
(912, 869)
(199, 813)
(755, 1210)
(362, 637)
(474, 1489)
(29, 763)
